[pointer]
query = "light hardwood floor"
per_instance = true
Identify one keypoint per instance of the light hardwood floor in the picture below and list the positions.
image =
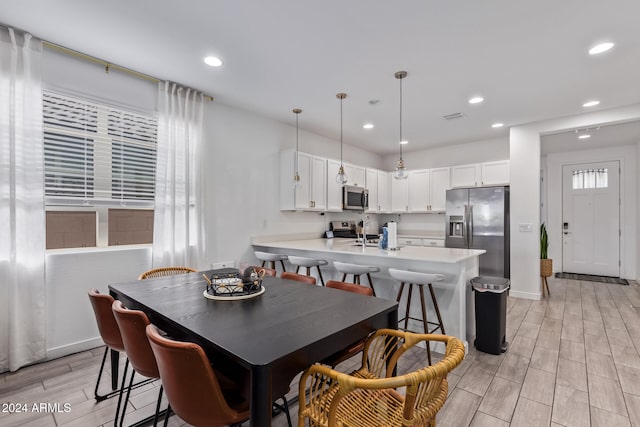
(573, 360)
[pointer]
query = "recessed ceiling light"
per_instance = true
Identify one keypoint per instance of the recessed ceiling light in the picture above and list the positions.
(368, 126)
(497, 125)
(591, 103)
(599, 48)
(213, 61)
(584, 136)
(404, 142)
(476, 100)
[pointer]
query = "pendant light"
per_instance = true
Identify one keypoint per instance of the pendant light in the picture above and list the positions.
(401, 171)
(296, 175)
(341, 177)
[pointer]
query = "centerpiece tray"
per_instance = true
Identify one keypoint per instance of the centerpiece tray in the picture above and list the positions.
(227, 284)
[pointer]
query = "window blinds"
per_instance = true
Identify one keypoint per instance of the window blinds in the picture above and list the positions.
(97, 154)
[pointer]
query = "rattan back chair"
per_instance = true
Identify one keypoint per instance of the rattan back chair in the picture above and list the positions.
(372, 395)
(166, 271)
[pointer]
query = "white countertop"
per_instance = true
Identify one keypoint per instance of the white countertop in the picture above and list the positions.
(347, 246)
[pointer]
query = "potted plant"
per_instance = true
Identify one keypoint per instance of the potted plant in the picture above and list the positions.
(546, 265)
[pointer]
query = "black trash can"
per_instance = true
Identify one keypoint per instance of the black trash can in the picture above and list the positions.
(491, 313)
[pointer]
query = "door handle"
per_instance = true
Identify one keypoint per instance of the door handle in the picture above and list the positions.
(567, 232)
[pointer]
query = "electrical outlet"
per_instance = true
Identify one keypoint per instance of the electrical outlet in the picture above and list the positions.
(525, 227)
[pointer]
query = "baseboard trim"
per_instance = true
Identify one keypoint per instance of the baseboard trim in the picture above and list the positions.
(525, 295)
(65, 350)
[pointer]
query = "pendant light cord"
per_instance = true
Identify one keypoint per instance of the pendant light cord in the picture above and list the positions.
(400, 118)
(341, 99)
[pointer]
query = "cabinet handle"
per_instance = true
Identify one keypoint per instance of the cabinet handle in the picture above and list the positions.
(379, 208)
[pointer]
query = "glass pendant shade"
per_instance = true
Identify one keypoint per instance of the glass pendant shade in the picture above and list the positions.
(341, 177)
(296, 175)
(401, 171)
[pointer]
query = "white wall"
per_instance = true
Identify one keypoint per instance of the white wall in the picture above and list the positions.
(451, 155)
(626, 155)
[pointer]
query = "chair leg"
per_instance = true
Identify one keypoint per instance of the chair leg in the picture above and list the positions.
(272, 265)
(400, 292)
(320, 274)
(263, 263)
(101, 397)
(344, 277)
(297, 269)
(282, 264)
(408, 312)
(371, 284)
(425, 325)
(166, 416)
(155, 417)
(124, 379)
(286, 410)
(126, 399)
(435, 306)
(356, 279)
(308, 271)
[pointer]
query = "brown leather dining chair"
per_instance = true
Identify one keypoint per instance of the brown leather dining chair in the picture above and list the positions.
(166, 271)
(133, 324)
(298, 277)
(356, 348)
(110, 333)
(192, 387)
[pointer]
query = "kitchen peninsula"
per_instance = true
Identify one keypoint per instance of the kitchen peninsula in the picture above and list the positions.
(453, 293)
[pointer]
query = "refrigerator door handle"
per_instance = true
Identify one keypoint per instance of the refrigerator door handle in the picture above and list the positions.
(465, 226)
(470, 226)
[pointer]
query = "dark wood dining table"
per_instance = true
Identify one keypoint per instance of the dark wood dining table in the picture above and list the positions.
(271, 337)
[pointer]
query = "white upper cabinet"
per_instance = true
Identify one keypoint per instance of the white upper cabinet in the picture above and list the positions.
(440, 180)
(377, 182)
(355, 175)
(399, 195)
(465, 175)
(495, 173)
(418, 190)
(479, 174)
(311, 194)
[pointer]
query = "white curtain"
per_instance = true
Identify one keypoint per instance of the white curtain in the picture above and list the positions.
(178, 229)
(22, 216)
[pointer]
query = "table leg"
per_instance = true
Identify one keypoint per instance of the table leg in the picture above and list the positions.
(114, 369)
(261, 401)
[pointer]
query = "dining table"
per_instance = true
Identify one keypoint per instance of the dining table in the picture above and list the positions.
(263, 341)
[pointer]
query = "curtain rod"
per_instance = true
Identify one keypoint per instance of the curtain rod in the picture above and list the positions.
(107, 65)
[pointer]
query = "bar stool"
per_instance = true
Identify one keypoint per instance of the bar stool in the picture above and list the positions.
(357, 271)
(271, 259)
(419, 279)
(299, 261)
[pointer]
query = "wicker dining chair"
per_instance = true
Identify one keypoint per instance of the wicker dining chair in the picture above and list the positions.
(166, 271)
(372, 395)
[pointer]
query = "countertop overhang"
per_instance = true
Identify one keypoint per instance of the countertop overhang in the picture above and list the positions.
(349, 246)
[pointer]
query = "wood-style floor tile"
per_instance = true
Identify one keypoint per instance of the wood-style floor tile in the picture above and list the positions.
(606, 394)
(531, 414)
(500, 399)
(601, 418)
(459, 409)
(572, 374)
(574, 351)
(513, 368)
(539, 386)
(544, 359)
(570, 407)
(484, 420)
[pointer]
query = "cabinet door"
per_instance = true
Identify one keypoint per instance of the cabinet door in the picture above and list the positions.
(399, 195)
(418, 190)
(494, 173)
(371, 184)
(303, 191)
(334, 190)
(384, 195)
(355, 174)
(409, 241)
(465, 175)
(319, 183)
(440, 183)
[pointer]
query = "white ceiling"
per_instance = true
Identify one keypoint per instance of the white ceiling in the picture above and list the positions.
(527, 59)
(601, 136)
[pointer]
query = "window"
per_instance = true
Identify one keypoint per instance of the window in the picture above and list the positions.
(590, 178)
(100, 159)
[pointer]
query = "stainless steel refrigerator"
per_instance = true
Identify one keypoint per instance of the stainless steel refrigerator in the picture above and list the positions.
(478, 218)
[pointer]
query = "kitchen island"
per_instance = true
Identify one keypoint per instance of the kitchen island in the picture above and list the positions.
(454, 296)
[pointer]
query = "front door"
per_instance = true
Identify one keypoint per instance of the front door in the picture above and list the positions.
(591, 218)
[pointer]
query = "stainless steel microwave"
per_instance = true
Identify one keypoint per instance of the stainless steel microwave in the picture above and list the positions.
(355, 198)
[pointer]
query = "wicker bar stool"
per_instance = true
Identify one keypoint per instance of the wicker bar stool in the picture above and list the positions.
(299, 261)
(271, 259)
(419, 279)
(357, 271)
